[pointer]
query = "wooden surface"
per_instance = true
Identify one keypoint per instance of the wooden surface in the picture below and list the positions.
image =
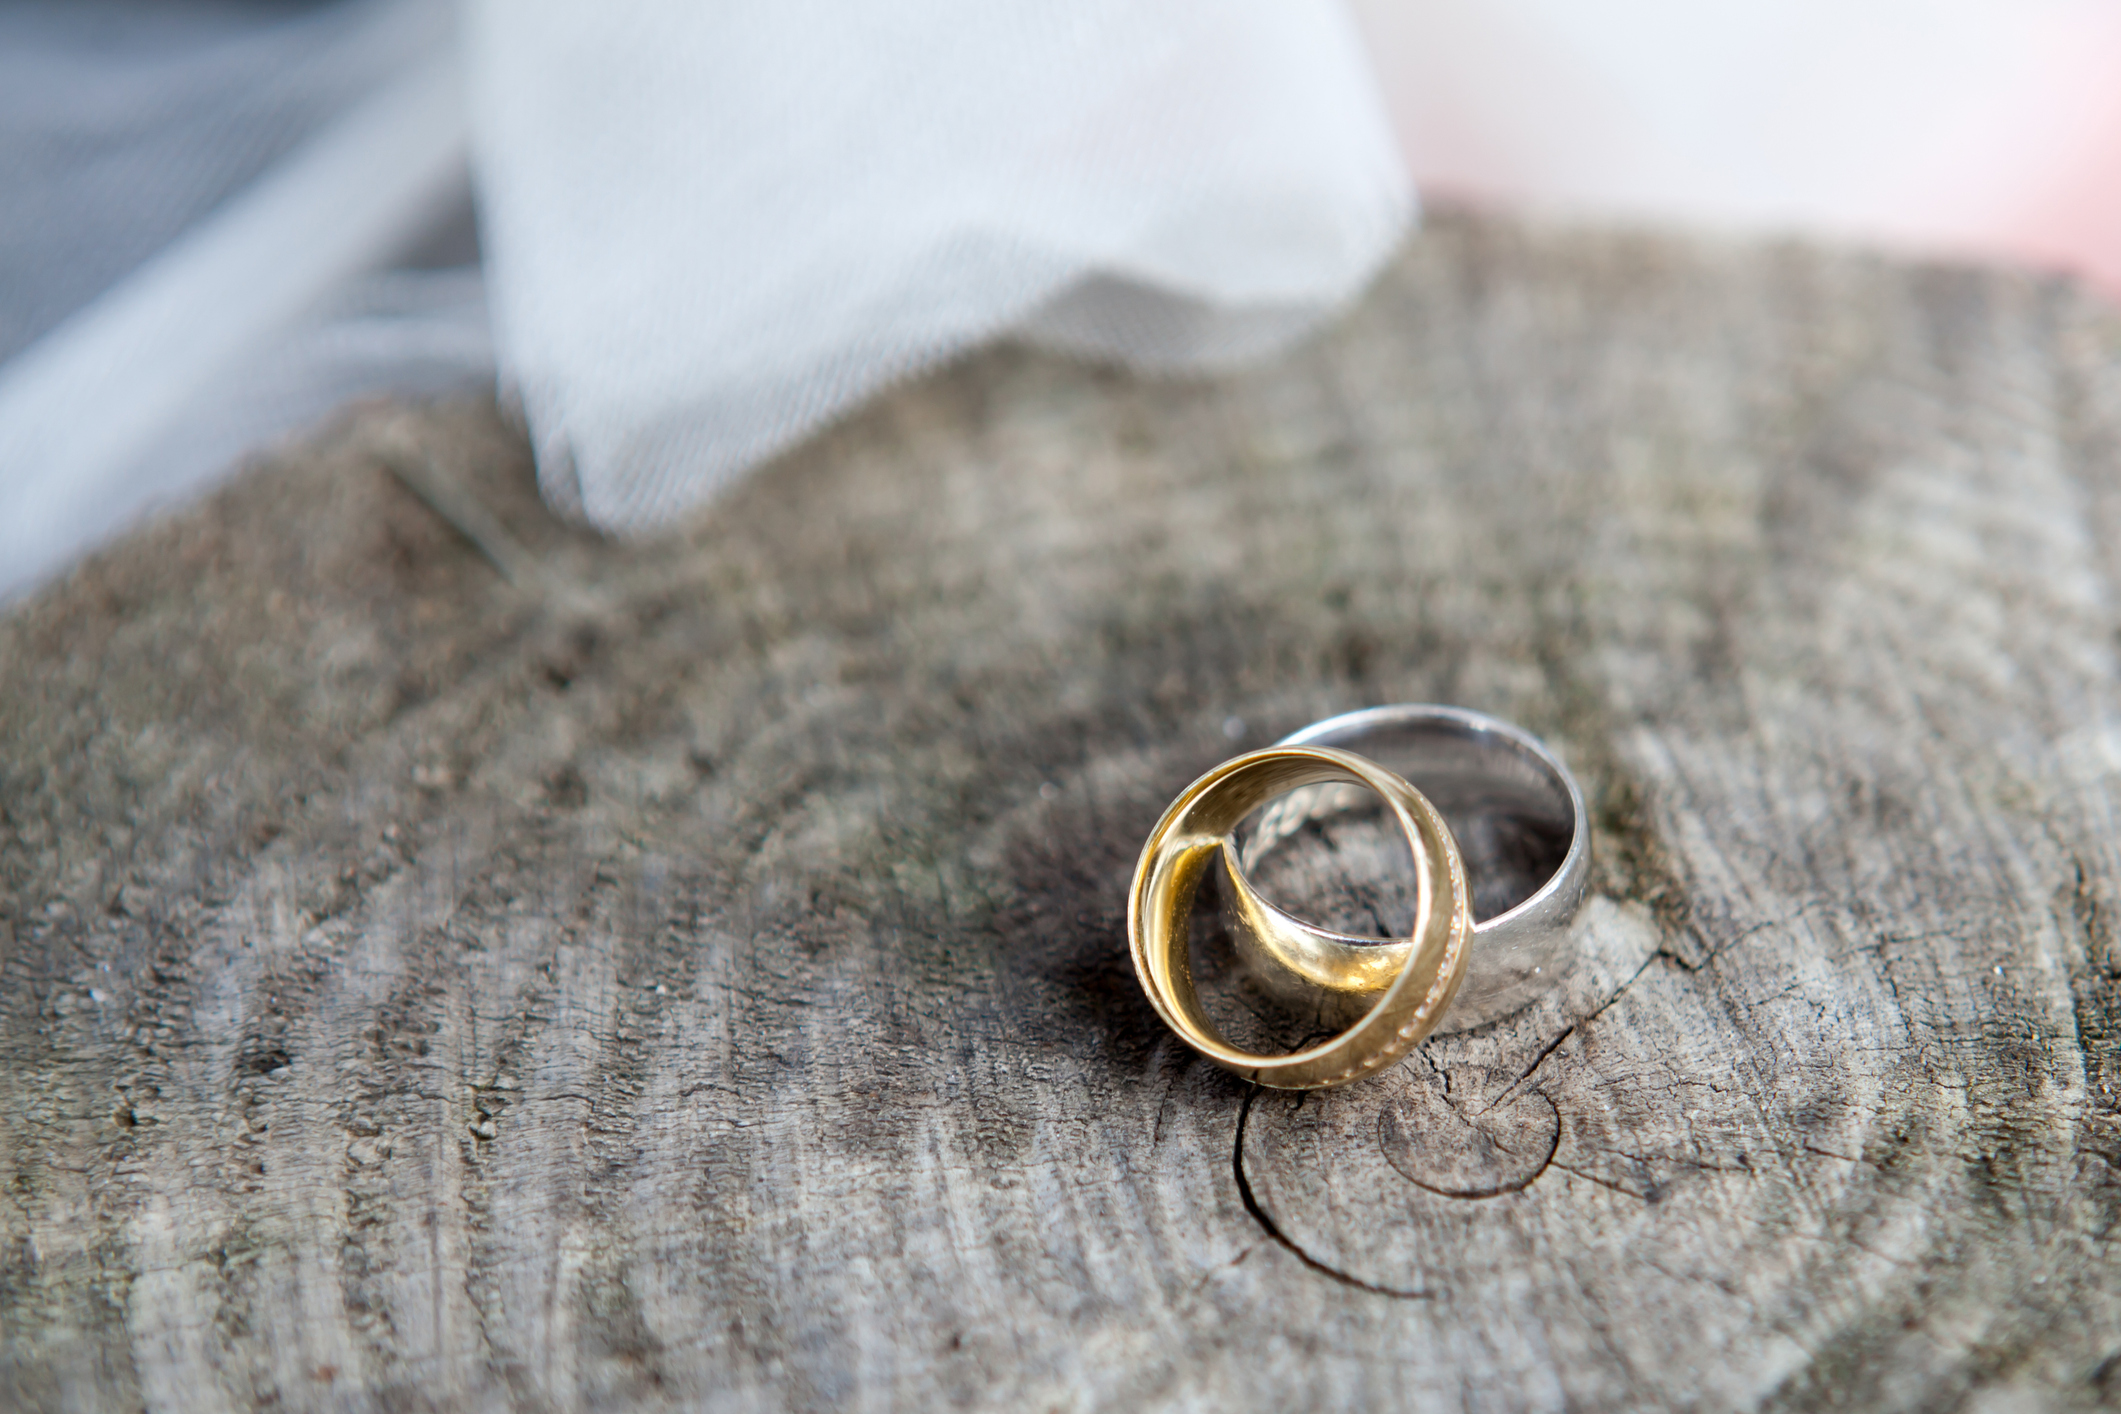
(696, 979)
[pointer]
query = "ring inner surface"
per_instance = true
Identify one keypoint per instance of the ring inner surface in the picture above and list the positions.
(1332, 856)
(1256, 1019)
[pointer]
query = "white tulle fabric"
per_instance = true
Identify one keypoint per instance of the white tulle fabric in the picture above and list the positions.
(704, 230)
(710, 229)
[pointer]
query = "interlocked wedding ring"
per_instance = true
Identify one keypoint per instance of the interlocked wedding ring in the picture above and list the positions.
(1196, 830)
(1517, 816)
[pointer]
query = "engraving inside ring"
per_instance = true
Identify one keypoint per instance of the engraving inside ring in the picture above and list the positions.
(1332, 856)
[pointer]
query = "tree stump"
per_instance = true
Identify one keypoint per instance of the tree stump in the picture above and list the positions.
(693, 974)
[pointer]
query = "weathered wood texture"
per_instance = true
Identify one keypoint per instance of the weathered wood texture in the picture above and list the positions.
(418, 996)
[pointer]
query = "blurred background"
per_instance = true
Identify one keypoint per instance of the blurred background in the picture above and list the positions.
(223, 221)
(1969, 128)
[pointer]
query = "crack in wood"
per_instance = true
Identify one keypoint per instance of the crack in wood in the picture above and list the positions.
(1259, 1215)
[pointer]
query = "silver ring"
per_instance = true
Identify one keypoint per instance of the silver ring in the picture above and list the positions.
(1513, 808)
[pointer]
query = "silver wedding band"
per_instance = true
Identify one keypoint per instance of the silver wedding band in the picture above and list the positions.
(1513, 809)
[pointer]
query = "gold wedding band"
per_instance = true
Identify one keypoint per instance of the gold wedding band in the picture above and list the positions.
(1184, 845)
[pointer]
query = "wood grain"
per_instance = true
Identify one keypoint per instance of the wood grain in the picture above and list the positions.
(706, 988)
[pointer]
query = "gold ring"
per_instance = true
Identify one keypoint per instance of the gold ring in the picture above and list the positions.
(1183, 846)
